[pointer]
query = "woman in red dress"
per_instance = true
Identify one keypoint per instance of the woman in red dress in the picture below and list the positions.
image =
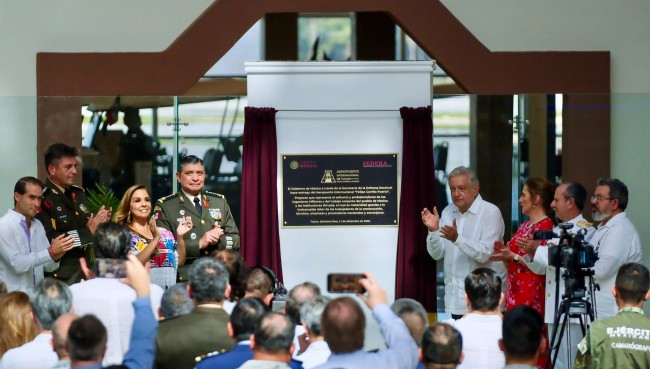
(524, 286)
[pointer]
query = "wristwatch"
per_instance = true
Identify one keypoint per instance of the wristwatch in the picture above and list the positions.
(515, 258)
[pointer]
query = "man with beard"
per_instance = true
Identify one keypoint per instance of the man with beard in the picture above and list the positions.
(616, 241)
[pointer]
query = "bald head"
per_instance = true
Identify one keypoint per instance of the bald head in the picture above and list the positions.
(60, 334)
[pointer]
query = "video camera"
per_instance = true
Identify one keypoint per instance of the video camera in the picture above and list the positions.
(572, 252)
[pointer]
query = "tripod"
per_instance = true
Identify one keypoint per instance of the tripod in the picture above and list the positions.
(573, 305)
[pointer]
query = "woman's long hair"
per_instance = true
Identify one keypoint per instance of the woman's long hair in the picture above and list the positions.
(16, 324)
(123, 213)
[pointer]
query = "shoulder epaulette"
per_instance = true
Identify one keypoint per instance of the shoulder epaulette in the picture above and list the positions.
(214, 194)
(168, 197)
(77, 187)
(583, 224)
(208, 355)
(45, 190)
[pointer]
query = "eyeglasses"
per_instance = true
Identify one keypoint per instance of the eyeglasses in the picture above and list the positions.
(600, 198)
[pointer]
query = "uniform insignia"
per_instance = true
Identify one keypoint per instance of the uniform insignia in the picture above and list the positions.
(58, 208)
(215, 194)
(83, 208)
(215, 214)
(157, 212)
(168, 197)
(53, 224)
(47, 203)
(583, 224)
(193, 236)
(181, 212)
(55, 192)
(179, 220)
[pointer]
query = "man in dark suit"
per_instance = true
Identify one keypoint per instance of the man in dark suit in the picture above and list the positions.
(243, 320)
(214, 225)
(182, 339)
(64, 211)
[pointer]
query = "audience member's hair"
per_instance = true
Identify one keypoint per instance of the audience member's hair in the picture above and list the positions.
(123, 213)
(617, 190)
(465, 171)
(257, 283)
(208, 280)
(245, 317)
(414, 316)
(483, 288)
(343, 325)
(176, 301)
(312, 311)
(57, 151)
(112, 241)
(298, 295)
(86, 339)
(16, 324)
(234, 262)
(522, 332)
(274, 333)
(3, 287)
(188, 160)
(577, 192)
(442, 344)
(60, 334)
(50, 299)
(632, 282)
(543, 188)
(21, 185)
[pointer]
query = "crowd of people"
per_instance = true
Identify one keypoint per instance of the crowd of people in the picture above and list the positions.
(186, 300)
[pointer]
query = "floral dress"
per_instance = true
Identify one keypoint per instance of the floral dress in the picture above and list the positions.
(524, 286)
(164, 261)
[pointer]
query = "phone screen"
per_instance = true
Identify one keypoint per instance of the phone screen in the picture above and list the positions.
(345, 283)
(110, 268)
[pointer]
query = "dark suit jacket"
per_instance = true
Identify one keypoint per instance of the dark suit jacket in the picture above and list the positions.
(234, 358)
(181, 340)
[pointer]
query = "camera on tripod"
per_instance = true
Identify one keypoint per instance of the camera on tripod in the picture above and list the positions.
(572, 252)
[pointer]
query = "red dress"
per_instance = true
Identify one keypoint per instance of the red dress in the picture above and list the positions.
(524, 286)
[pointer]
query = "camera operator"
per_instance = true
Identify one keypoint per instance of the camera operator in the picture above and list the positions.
(568, 202)
(616, 240)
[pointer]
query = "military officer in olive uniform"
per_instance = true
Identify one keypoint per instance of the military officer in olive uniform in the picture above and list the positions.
(214, 225)
(64, 211)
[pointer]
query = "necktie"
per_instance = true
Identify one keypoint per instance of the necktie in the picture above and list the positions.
(197, 205)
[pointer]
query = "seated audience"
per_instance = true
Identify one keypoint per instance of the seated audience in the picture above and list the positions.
(317, 351)
(50, 299)
(272, 343)
(442, 347)
(621, 341)
(235, 264)
(183, 339)
(260, 282)
(107, 298)
(343, 326)
(244, 318)
(16, 324)
(175, 302)
(481, 326)
(87, 336)
(296, 297)
(523, 339)
(414, 316)
(60, 339)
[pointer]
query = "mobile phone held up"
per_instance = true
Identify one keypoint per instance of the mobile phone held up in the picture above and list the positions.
(110, 268)
(345, 283)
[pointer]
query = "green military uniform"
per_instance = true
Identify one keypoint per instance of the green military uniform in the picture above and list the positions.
(67, 212)
(622, 341)
(214, 209)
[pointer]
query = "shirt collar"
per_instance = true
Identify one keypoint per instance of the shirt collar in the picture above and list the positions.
(190, 197)
(631, 309)
(16, 215)
(614, 220)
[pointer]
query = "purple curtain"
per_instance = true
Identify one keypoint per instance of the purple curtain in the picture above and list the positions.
(260, 239)
(416, 270)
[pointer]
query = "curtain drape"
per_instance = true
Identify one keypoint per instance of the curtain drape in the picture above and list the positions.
(260, 239)
(416, 270)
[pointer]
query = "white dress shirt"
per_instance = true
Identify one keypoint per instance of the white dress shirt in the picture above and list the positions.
(23, 258)
(111, 301)
(481, 335)
(478, 228)
(37, 354)
(617, 242)
(316, 354)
